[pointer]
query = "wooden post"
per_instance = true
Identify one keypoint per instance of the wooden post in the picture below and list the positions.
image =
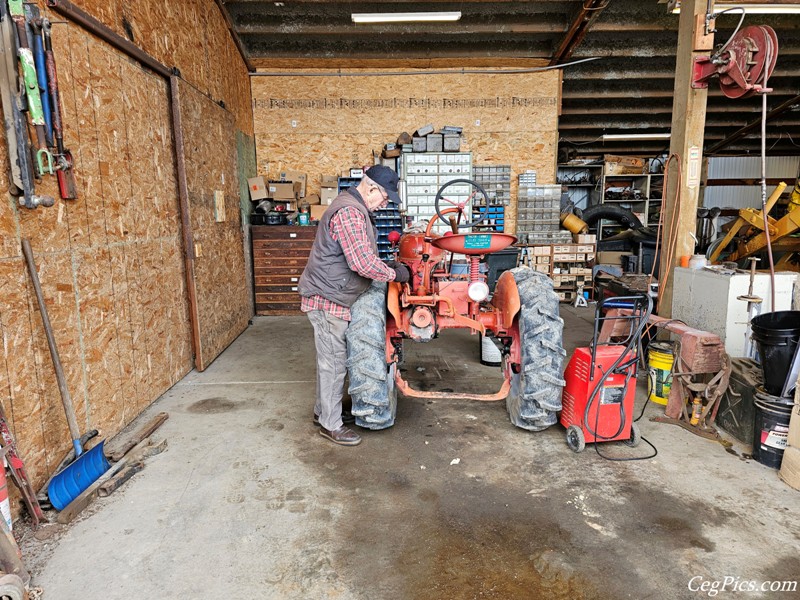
(688, 123)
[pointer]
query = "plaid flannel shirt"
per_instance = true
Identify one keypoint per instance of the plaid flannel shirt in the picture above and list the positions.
(348, 227)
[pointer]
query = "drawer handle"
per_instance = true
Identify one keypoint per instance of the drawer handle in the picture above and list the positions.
(294, 279)
(294, 288)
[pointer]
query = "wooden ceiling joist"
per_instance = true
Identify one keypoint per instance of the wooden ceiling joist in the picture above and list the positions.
(578, 29)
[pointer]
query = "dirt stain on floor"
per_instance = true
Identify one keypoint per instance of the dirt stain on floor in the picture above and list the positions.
(217, 404)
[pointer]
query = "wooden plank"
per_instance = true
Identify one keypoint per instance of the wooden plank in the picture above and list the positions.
(115, 482)
(394, 63)
(116, 450)
(688, 123)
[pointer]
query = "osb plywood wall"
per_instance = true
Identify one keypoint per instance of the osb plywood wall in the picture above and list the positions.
(111, 262)
(190, 35)
(322, 125)
(223, 296)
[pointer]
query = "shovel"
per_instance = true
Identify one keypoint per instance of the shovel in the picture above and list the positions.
(67, 484)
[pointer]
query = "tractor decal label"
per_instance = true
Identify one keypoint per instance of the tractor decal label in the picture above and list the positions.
(478, 242)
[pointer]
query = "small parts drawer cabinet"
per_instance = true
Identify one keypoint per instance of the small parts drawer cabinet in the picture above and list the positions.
(280, 254)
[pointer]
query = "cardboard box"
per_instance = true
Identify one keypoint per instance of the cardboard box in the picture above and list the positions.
(624, 165)
(257, 187)
(794, 427)
(541, 250)
(610, 258)
(294, 177)
(317, 211)
(280, 190)
(565, 257)
(584, 238)
(327, 195)
(329, 181)
(585, 248)
(313, 199)
(790, 467)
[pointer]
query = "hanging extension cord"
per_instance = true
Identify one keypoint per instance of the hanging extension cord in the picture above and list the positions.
(767, 237)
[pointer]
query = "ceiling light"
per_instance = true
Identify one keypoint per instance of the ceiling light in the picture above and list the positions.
(752, 8)
(406, 17)
(629, 137)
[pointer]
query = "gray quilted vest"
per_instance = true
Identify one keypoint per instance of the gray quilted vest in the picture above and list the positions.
(327, 273)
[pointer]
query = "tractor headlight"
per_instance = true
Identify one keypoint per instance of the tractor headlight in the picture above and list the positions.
(478, 291)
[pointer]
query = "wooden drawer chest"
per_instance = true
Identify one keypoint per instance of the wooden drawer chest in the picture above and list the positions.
(280, 253)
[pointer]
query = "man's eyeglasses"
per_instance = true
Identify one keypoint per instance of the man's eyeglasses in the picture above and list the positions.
(384, 194)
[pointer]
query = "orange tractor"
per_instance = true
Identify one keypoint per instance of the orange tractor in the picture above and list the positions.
(522, 314)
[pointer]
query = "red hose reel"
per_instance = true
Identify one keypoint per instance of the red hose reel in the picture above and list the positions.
(742, 63)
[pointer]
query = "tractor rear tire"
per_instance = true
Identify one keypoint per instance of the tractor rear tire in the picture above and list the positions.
(535, 396)
(372, 388)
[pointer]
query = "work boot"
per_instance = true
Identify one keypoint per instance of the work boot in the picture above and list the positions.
(347, 418)
(342, 436)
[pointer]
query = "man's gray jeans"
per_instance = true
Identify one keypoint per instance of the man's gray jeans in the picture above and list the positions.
(329, 339)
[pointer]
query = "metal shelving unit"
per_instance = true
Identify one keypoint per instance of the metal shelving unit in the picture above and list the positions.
(583, 182)
(424, 173)
(639, 193)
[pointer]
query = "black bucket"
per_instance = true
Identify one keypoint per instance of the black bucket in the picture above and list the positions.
(770, 431)
(776, 334)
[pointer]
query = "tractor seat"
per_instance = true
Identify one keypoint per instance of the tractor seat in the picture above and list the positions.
(474, 243)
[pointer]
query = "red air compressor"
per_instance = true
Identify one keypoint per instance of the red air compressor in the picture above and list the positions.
(601, 380)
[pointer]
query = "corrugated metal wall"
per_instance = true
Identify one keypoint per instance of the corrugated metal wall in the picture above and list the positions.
(746, 167)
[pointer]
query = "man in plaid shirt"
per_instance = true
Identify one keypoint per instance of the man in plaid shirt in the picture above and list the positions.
(343, 262)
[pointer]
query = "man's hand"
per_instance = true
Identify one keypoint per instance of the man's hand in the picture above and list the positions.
(401, 273)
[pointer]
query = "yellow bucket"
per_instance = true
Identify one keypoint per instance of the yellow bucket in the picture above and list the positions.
(659, 362)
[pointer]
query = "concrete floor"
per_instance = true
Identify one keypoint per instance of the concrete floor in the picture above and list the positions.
(249, 502)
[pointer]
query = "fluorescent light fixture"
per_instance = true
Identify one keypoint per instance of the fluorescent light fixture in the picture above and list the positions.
(751, 8)
(632, 137)
(406, 17)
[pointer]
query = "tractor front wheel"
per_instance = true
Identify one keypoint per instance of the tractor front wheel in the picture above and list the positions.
(536, 384)
(372, 386)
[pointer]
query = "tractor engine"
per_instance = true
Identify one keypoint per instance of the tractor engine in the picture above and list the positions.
(422, 326)
(412, 254)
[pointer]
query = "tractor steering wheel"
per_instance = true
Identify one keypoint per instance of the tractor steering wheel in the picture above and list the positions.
(461, 206)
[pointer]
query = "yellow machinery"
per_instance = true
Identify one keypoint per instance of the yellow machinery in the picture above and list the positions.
(750, 227)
